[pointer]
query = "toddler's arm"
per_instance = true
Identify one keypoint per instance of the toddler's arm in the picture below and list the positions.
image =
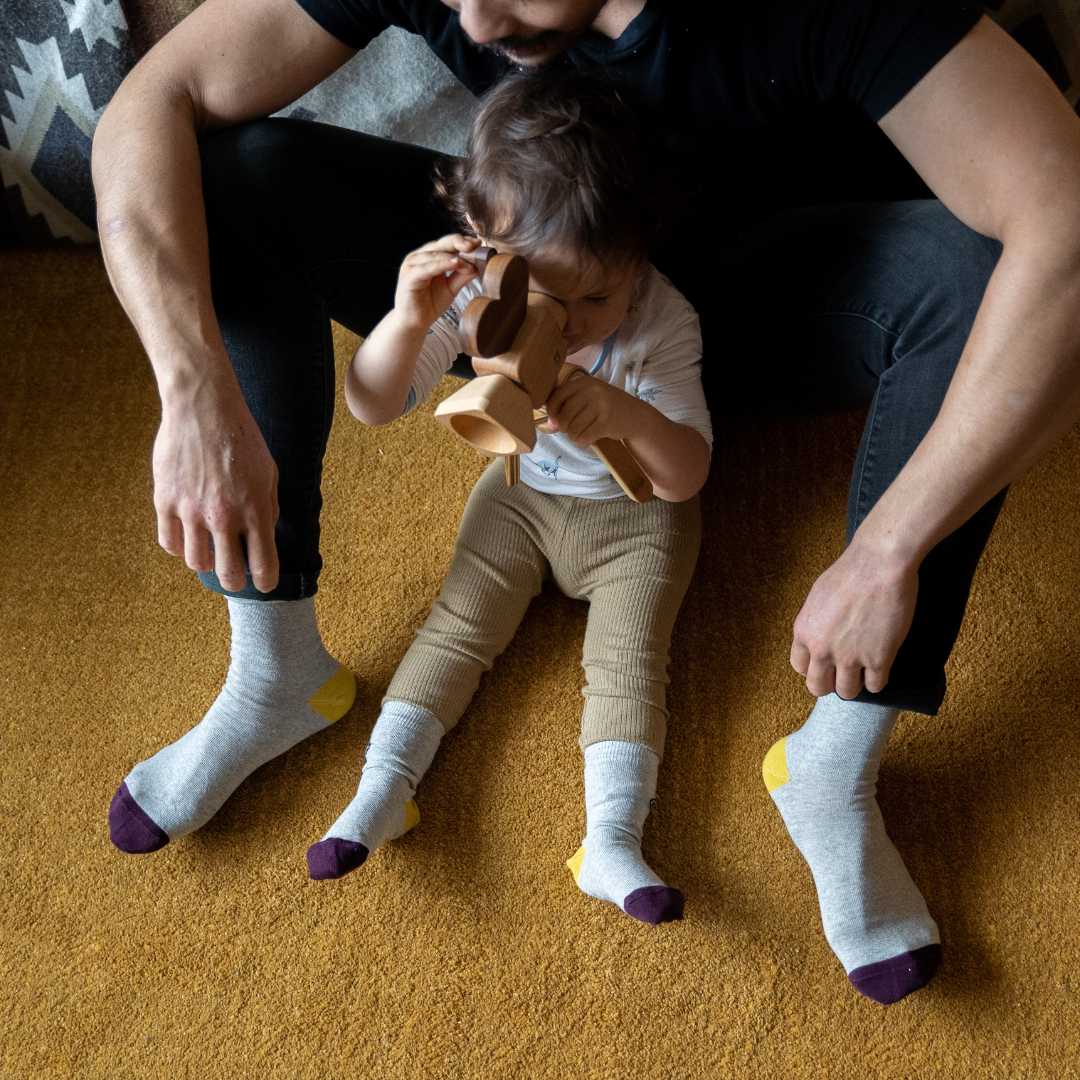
(382, 371)
(675, 457)
(672, 439)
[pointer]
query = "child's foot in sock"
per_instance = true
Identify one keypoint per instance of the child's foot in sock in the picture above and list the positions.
(609, 866)
(403, 743)
(823, 779)
(620, 781)
(282, 686)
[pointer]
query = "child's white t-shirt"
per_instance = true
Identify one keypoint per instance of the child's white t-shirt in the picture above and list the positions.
(655, 354)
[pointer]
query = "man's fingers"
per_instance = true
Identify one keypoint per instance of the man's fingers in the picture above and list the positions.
(170, 534)
(849, 682)
(262, 558)
(800, 657)
(820, 678)
(197, 546)
(229, 561)
(877, 679)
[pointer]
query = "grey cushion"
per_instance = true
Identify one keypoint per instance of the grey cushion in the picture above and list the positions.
(398, 88)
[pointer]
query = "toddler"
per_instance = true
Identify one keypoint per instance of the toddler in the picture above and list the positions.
(554, 172)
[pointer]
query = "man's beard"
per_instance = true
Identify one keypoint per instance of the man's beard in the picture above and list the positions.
(549, 45)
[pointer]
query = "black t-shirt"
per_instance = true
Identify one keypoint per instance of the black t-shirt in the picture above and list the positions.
(776, 98)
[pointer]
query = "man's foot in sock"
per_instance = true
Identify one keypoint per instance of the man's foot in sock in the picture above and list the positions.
(282, 686)
(620, 782)
(823, 779)
(403, 744)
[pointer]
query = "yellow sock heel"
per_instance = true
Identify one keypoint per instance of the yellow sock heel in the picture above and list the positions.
(412, 815)
(774, 770)
(336, 696)
(574, 862)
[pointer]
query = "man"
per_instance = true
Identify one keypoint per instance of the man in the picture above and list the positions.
(954, 319)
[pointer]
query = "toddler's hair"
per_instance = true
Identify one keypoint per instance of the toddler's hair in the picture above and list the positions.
(555, 160)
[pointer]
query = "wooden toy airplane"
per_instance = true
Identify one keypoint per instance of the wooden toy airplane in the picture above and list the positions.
(519, 356)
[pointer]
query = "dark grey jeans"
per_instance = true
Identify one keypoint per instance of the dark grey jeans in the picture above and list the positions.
(309, 222)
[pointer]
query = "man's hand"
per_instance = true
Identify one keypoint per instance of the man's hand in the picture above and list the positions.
(215, 484)
(586, 409)
(853, 623)
(228, 62)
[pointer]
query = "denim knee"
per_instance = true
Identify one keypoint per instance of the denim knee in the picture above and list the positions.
(245, 162)
(957, 265)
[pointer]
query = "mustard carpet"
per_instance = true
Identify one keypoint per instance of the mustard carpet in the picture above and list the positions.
(464, 950)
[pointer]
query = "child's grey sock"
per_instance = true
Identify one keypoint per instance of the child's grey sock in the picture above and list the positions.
(403, 744)
(620, 782)
(823, 779)
(282, 686)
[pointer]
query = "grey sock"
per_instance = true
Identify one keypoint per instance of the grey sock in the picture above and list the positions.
(823, 779)
(402, 746)
(620, 782)
(282, 686)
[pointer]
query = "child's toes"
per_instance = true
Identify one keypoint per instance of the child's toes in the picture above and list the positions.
(655, 904)
(334, 858)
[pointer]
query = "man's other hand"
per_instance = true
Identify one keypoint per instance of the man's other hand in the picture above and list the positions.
(853, 623)
(215, 485)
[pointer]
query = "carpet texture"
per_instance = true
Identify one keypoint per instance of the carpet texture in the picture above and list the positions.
(464, 949)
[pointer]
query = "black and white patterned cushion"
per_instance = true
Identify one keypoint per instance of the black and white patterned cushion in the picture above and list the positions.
(61, 61)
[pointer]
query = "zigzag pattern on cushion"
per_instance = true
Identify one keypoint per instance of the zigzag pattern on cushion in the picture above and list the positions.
(60, 63)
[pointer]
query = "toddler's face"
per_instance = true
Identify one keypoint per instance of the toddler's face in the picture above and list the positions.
(596, 297)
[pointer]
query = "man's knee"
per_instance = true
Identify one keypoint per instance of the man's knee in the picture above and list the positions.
(245, 162)
(960, 261)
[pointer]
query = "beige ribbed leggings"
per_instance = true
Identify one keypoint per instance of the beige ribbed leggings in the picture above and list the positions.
(632, 562)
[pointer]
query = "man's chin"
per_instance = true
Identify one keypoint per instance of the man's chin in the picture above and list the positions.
(533, 56)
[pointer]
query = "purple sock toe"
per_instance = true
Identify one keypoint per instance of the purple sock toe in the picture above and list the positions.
(334, 858)
(130, 827)
(890, 980)
(654, 904)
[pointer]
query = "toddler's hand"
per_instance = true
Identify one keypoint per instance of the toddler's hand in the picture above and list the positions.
(431, 277)
(586, 409)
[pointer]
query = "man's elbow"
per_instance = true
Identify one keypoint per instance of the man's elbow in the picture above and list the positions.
(1071, 246)
(130, 99)
(1050, 236)
(101, 143)
(142, 110)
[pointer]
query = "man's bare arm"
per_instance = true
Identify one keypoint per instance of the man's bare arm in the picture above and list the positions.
(1000, 146)
(230, 61)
